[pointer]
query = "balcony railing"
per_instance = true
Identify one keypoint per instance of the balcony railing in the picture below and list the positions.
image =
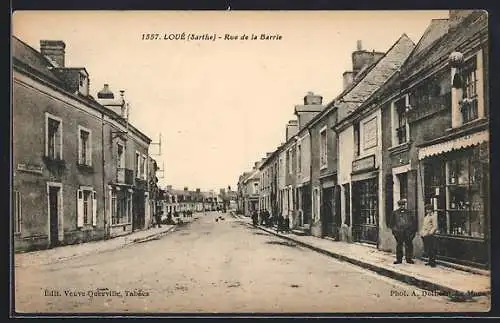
(125, 176)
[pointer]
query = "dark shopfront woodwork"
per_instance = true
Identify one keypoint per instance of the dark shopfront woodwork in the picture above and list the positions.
(365, 211)
(330, 212)
(457, 184)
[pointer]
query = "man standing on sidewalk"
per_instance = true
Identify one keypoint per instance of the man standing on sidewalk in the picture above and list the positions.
(428, 231)
(404, 228)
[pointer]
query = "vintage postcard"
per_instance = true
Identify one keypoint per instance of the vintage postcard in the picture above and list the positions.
(250, 162)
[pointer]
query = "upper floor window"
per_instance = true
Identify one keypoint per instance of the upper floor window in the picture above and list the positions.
(84, 146)
(468, 104)
(323, 148)
(143, 167)
(120, 156)
(53, 137)
(289, 161)
(400, 122)
(137, 164)
(299, 159)
(356, 139)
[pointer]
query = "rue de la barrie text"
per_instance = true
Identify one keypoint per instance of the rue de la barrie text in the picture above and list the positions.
(209, 36)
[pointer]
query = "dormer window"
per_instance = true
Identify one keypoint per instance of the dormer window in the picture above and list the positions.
(82, 80)
(83, 83)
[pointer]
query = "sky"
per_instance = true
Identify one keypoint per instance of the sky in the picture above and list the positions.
(218, 105)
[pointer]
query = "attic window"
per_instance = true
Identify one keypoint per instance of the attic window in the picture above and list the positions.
(82, 79)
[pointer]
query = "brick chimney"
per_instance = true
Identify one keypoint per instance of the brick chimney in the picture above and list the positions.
(348, 77)
(312, 98)
(54, 51)
(169, 187)
(291, 129)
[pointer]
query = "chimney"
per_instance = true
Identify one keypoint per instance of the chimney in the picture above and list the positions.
(362, 58)
(457, 16)
(198, 190)
(311, 99)
(169, 187)
(54, 51)
(348, 77)
(105, 93)
(359, 45)
(291, 129)
(185, 188)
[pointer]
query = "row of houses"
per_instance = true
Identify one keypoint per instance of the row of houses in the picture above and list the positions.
(185, 200)
(412, 123)
(81, 171)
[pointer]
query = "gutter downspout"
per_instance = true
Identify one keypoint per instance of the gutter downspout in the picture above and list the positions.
(310, 179)
(106, 232)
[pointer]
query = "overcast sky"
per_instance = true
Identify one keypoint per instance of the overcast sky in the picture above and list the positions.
(219, 105)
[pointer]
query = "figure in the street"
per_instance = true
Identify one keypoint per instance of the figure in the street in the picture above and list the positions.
(404, 228)
(158, 218)
(428, 231)
(255, 218)
(279, 226)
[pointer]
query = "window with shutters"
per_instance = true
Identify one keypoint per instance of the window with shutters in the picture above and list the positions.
(86, 207)
(400, 121)
(120, 156)
(144, 167)
(17, 211)
(84, 146)
(53, 137)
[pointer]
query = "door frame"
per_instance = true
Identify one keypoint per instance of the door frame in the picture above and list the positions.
(60, 218)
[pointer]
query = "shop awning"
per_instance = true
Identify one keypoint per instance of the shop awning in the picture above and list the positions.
(454, 144)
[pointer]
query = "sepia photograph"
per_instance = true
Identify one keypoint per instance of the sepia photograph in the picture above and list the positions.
(253, 162)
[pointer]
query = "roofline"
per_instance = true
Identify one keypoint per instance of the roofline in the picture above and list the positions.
(84, 100)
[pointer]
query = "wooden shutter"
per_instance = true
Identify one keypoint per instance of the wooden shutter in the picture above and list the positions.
(389, 199)
(94, 208)
(80, 144)
(79, 208)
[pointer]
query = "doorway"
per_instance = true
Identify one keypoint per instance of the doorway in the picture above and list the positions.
(54, 208)
(365, 211)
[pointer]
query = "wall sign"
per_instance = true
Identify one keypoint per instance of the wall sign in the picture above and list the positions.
(363, 164)
(30, 168)
(370, 133)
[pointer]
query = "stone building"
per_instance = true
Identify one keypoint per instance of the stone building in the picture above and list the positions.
(65, 152)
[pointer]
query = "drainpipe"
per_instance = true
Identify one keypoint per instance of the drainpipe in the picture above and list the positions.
(106, 233)
(310, 178)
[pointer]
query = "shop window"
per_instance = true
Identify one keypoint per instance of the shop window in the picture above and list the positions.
(347, 194)
(465, 203)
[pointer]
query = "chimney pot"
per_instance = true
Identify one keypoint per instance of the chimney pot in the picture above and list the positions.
(359, 45)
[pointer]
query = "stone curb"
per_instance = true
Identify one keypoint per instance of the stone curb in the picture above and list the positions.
(406, 278)
(151, 236)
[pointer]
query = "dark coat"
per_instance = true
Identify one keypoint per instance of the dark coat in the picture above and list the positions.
(403, 221)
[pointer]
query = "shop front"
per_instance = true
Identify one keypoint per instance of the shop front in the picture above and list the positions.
(456, 183)
(330, 208)
(365, 195)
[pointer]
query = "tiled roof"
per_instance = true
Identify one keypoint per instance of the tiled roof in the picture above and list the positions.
(442, 47)
(32, 58)
(375, 77)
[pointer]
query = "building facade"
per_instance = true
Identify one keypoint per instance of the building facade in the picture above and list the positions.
(61, 151)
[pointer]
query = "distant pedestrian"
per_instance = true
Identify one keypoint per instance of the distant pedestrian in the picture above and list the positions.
(404, 228)
(255, 218)
(428, 231)
(280, 224)
(158, 218)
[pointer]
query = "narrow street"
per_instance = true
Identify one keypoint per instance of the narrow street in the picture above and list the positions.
(217, 266)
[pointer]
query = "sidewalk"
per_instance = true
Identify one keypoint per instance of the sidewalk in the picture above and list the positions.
(449, 281)
(43, 257)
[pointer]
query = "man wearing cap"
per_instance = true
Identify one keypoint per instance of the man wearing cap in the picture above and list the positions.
(404, 228)
(428, 231)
